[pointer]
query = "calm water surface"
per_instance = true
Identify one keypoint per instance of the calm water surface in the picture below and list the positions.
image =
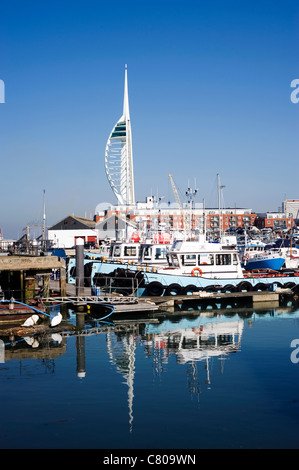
(188, 381)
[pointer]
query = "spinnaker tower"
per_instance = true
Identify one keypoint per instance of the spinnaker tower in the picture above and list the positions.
(119, 155)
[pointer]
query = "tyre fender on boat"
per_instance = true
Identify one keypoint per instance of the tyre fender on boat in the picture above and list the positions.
(155, 288)
(244, 285)
(228, 288)
(211, 288)
(289, 285)
(173, 289)
(296, 289)
(260, 286)
(189, 289)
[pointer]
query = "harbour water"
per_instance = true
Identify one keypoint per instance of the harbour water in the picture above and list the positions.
(193, 380)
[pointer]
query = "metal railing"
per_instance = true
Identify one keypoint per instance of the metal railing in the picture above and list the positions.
(125, 286)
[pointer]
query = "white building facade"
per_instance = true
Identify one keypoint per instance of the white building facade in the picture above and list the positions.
(65, 232)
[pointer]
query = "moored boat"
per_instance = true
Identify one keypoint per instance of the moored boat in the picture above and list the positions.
(192, 266)
(288, 250)
(263, 260)
(148, 253)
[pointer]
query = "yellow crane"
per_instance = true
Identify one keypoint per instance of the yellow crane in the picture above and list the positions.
(175, 192)
(177, 198)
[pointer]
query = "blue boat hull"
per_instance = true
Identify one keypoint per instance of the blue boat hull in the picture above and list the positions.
(275, 264)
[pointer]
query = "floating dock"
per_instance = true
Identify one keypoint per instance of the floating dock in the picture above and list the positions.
(120, 303)
(125, 304)
(254, 298)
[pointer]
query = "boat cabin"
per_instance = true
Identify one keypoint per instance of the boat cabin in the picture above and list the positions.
(124, 251)
(208, 260)
(251, 248)
(153, 254)
(143, 253)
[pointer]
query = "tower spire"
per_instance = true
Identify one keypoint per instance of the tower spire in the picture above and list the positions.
(126, 113)
(119, 155)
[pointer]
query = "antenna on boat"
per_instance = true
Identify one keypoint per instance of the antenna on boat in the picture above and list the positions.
(190, 193)
(220, 187)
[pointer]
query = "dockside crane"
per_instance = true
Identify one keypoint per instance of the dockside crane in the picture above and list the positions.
(177, 198)
(175, 192)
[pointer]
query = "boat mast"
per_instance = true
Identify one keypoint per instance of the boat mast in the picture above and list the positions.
(44, 223)
(219, 208)
(190, 193)
(204, 220)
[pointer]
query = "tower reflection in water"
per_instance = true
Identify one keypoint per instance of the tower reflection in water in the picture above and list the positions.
(191, 341)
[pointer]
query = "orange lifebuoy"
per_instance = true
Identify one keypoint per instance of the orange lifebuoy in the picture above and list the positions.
(196, 272)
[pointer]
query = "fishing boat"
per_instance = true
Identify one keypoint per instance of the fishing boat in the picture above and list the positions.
(263, 260)
(192, 265)
(211, 267)
(149, 253)
(255, 254)
(288, 250)
(291, 257)
(250, 247)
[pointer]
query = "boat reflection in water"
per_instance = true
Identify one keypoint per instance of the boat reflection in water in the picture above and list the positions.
(201, 342)
(192, 339)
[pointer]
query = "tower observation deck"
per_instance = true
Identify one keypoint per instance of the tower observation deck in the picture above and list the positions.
(119, 156)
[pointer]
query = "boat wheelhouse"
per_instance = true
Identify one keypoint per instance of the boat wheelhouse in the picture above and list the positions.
(124, 251)
(204, 259)
(142, 253)
(251, 248)
(153, 254)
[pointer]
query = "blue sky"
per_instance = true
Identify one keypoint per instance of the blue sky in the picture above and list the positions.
(209, 90)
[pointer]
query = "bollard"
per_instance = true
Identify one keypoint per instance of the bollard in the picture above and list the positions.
(35, 247)
(2, 351)
(79, 267)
